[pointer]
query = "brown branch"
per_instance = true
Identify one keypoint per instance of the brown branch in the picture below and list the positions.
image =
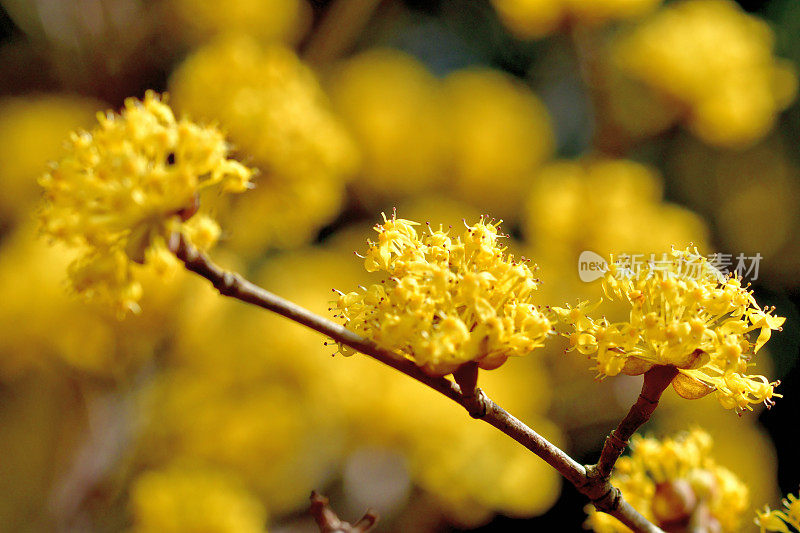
(329, 522)
(233, 285)
(597, 488)
(656, 380)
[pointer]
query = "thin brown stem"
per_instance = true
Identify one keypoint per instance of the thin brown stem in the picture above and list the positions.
(467, 378)
(329, 522)
(656, 380)
(233, 285)
(605, 497)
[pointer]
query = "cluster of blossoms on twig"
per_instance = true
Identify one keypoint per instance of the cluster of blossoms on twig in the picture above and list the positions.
(683, 313)
(446, 301)
(129, 192)
(127, 187)
(676, 484)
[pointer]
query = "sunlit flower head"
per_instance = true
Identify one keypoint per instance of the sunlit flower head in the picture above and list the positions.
(444, 455)
(126, 188)
(683, 313)
(780, 520)
(675, 482)
(444, 300)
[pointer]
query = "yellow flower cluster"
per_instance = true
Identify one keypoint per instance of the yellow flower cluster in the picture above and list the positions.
(275, 112)
(193, 500)
(716, 63)
(674, 482)
(529, 19)
(759, 470)
(478, 132)
(127, 187)
(684, 313)
(442, 452)
(265, 20)
(604, 206)
(779, 521)
(446, 301)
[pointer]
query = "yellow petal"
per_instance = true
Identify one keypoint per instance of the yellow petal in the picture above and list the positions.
(690, 388)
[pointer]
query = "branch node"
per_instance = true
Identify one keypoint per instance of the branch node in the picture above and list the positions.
(656, 380)
(609, 501)
(476, 404)
(226, 285)
(329, 522)
(649, 401)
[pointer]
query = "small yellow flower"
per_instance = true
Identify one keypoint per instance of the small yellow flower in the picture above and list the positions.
(673, 482)
(684, 313)
(778, 520)
(124, 190)
(446, 301)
